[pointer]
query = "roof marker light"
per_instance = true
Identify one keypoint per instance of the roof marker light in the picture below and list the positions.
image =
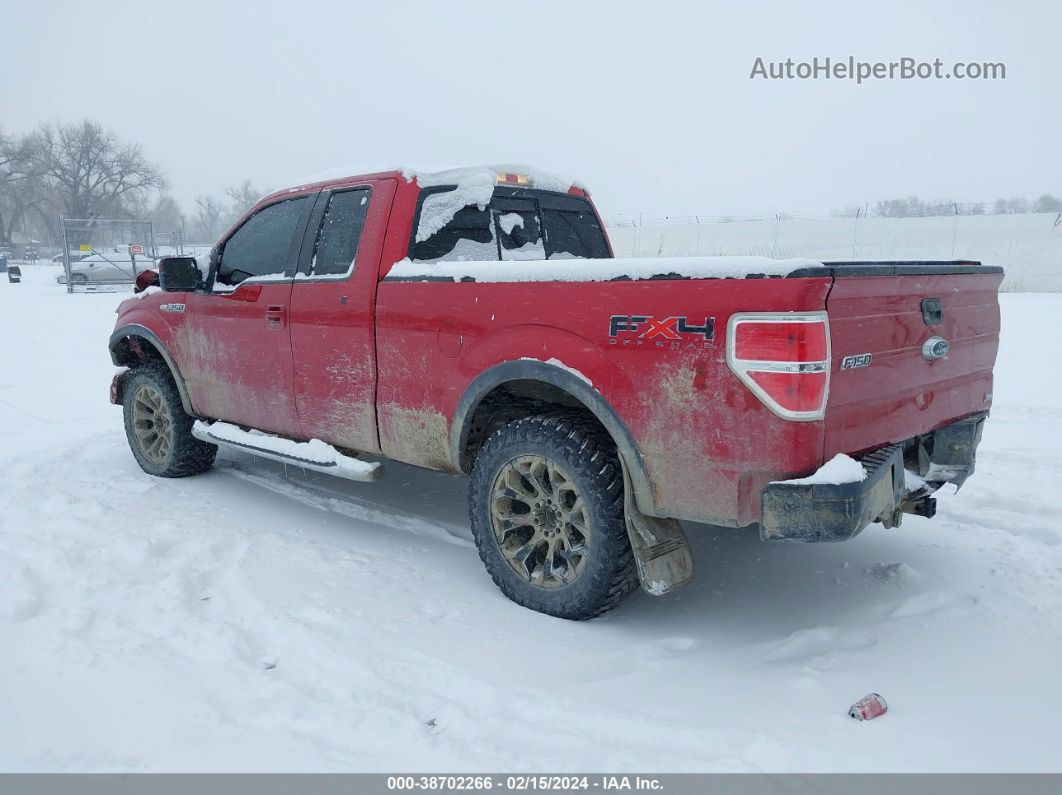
(513, 179)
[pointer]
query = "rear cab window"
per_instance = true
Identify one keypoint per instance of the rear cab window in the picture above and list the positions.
(518, 224)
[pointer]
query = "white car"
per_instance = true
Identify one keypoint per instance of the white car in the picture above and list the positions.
(107, 267)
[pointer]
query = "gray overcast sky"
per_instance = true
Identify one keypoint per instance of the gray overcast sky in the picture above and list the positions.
(649, 103)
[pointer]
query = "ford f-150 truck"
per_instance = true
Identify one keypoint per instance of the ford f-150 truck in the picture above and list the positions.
(474, 321)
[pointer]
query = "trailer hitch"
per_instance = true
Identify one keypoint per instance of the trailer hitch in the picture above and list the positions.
(920, 506)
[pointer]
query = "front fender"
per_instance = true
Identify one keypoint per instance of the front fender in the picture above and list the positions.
(136, 332)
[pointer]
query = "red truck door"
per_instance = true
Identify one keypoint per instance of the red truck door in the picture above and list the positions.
(236, 353)
(332, 315)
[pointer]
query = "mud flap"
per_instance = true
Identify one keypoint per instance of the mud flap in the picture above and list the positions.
(660, 549)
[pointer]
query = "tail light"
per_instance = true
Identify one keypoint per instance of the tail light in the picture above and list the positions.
(784, 359)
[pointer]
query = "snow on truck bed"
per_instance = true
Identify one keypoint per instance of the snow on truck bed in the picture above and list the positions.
(599, 270)
(260, 619)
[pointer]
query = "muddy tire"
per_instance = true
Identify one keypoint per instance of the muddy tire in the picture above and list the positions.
(546, 507)
(157, 427)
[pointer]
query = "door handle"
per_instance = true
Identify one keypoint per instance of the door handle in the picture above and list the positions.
(274, 317)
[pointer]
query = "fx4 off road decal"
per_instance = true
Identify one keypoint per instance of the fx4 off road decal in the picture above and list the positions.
(674, 333)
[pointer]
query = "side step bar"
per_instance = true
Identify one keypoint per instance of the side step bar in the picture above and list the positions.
(314, 454)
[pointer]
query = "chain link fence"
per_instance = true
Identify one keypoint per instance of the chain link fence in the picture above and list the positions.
(105, 253)
(109, 253)
(1028, 246)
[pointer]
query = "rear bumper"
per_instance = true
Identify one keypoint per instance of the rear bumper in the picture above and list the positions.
(827, 512)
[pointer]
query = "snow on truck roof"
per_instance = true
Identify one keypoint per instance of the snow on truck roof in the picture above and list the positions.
(472, 185)
(476, 184)
(467, 177)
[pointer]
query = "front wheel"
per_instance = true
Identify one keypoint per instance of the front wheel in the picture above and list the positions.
(546, 507)
(157, 427)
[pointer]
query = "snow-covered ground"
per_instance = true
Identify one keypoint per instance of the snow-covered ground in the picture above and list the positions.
(257, 619)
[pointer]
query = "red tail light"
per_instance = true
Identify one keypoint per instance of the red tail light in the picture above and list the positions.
(784, 359)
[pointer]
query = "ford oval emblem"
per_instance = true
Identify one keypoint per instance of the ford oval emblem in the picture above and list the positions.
(935, 348)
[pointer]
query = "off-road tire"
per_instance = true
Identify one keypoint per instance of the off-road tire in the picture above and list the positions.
(185, 455)
(588, 456)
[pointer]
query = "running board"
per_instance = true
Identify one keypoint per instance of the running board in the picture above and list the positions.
(314, 454)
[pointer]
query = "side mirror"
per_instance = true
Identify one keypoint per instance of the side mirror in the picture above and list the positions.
(178, 274)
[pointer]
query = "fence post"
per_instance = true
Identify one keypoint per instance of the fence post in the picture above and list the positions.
(955, 231)
(855, 232)
(66, 251)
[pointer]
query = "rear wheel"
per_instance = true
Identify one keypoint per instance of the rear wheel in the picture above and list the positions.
(546, 507)
(157, 427)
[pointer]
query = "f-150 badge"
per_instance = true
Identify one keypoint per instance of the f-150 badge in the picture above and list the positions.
(860, 360)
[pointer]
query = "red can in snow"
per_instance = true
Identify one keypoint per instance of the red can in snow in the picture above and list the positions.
(868, 707)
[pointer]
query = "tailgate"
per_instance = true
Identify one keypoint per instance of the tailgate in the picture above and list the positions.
(888, 310)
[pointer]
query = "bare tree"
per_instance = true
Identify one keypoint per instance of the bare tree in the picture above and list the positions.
(243, 197)
(166, 214)
(914, 207)
(214, 215)
(19, 187)
(900, 208)
(1047, 204)
(89, 173)
(209, 215)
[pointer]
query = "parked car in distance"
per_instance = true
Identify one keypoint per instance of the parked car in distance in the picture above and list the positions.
(74, 257)
(474, 321)
(97, 268)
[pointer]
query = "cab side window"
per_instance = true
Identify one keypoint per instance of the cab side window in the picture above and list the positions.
(262, 246)
(336, 246)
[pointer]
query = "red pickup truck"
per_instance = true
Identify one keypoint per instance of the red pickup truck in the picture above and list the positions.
(475, 321)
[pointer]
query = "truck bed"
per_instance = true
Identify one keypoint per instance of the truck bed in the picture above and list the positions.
(708, 445)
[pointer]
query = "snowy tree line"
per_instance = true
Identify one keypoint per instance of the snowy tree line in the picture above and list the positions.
(87, 171)
(914, 207)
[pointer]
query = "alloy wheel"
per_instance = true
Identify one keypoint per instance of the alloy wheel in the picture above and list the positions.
(540, 521)
(152, 423)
